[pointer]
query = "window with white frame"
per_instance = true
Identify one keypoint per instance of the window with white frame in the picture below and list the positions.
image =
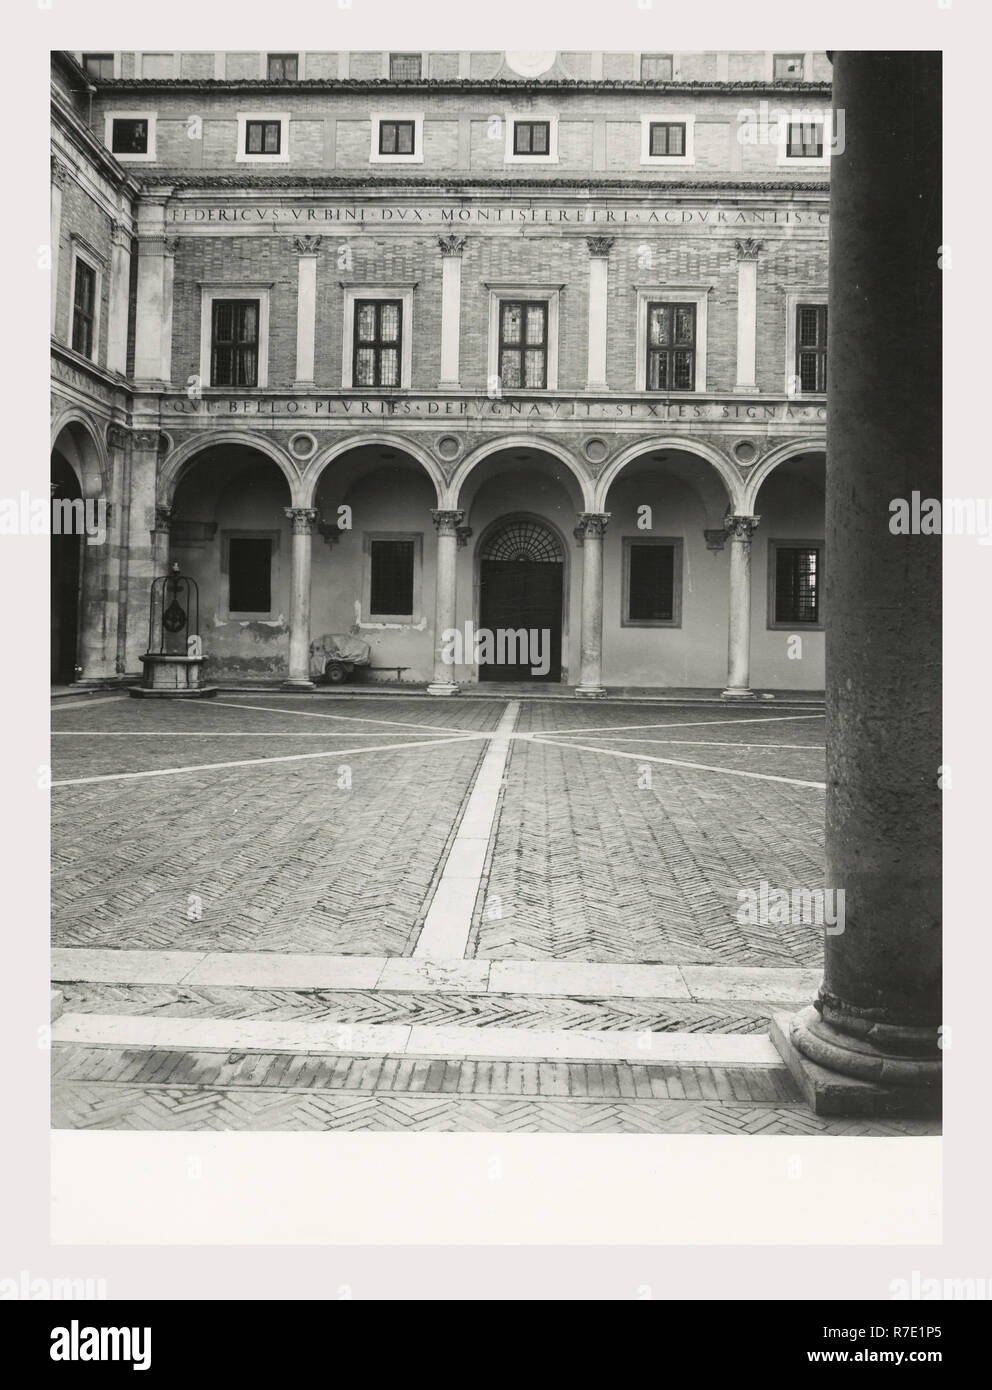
(248, 560)
(99, 66)
(406, 67)
(806, 343)
(795, 584)
(804, 138)
(531, 138)
(668, 137)
(377, 348)
(282, 67)
(657, 67)
(84, 333)
(130, 135)
(263, 137)
(397, 137)
(392, 580)
(652, 581)
(671, 338)
(234, 336)
(523, 337)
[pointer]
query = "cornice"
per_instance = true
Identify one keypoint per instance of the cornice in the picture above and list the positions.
(456, 84)
(179, 180)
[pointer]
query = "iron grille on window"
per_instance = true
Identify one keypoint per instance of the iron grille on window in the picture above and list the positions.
(805, 140)
(284, 67)
(671, 349)
(523, 539)
(396, 137)
(83, 309)
(531, 137)
(378, 339)
(405, 67)
(523, 344)
(263, 137)
(797, 584)
(234, 355)
(391, 588)
(651, 582)
(129, 136)
(811, 346)
(99, 65)
(656, 67)
(667, 137)
(787, 65)
(249, 565)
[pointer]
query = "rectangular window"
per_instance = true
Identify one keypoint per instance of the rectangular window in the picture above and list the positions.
(99, 65)
(396, 137)
(83, 309)
(234, 343)
(523, 344)
(129, 136)
(284, 67)
(667, 138)
(263, 137)
(671, 347)
(249, 566)
(378, 342)
(811, 346)
(404, 67)
(651, 582)
(786, 65)
(798, 575)
(805, 140)
(532, 137)
(656, 67)
(391, 578)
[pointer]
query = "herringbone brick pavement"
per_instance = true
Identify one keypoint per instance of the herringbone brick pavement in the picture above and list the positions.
(589, 865)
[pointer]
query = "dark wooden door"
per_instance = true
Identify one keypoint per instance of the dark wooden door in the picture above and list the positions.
(522, 593)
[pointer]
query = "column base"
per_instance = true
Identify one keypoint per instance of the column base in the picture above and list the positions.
(297, 683)
(841, 1075)
(592, 690)
(443, 688)
(738, 693)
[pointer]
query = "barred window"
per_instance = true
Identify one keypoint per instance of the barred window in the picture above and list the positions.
(284, 67)
(811, 346)
(83, 309)
(667, 138)
(671, 347)
(532, 137)
(391, 578)
(523, 344)
(405, 67)
(249, 566)
(656, 67)
(396, 137)
(234, 343)
(378, 342)
(805, 140)
(798, 576)
(263, 137)
(652, 570)
(787, 65)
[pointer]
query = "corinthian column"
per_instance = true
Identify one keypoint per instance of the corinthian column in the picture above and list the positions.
(447, 525)
(303, 519)
(590, 532)
(740, 529)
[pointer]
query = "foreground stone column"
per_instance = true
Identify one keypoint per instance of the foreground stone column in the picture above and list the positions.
(870, 1043)
(303, 519)
(447, 525)
(740, 529)
(590, 532)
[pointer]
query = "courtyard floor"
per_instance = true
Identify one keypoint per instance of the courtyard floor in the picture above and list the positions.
(392, 912)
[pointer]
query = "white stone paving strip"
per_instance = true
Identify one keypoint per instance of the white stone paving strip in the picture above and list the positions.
(448, 923)
(677, 762)
(260, 762)
(347, 718)
(687, 724)
(417, 1040)
(274, 970)
(224, 733)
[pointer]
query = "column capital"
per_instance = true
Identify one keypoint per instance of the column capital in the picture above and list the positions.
(447, 523)
(464, 534)
(116, 437)
(749, 249)
(600, 245)
(715, 539)
(742, 528)
(302, 518)
(163, 519)
(60, 171)
(307, 245)
(452, 245)
(591, 524)
(120, 234)
(147, 439)
(170, 245)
